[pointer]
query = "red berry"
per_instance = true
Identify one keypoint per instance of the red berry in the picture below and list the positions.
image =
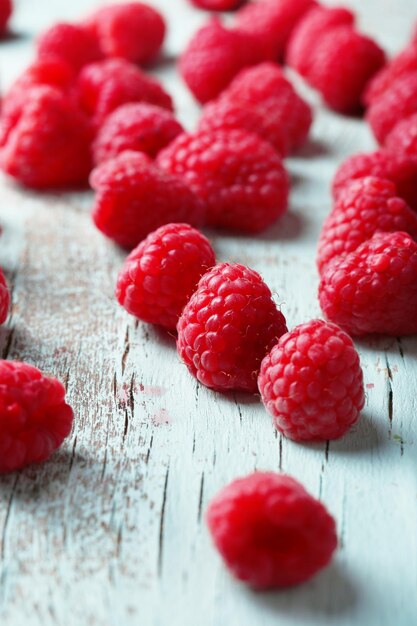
(218, 5)
(394, 105)
(374, 288)
(364, 207)
(34, 417)
(272, 22)
(343, 61)
(51, 71)
(130, 30)
(159, 276)
(106, 85)
(70, 43)
(213, 57)
(314, 25)
(227, 327)
(401, 65)
(401, 170)
(139, 127)
(263, 101)
(312, 383)
(6, 10)
(4, 299)
(134, 198)
(240, 178)
(270, 532)
(46, 140)
(402, 139)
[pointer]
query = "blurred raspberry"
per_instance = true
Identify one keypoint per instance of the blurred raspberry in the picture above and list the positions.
(227, 327)
(139, 127)
(270, 532)
(132, 30)
(34, 417)
(70, 43)
(239, 177)
(404, 63)
(160, 275)
(218, 5)
(312, 383)
(133, 198)
(4, 298)
(394, 105)
(6, 10)
(402, 139)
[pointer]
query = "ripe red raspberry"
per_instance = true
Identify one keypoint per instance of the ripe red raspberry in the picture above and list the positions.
(343, 62)
(139, 127)
(34, 417)
(106, 85)
(159, 276)
(316, 23)
(270, 532)
(312, 383)
(394, 105)
(130, 30)
(401, 65)
(46, 140)
(401, 170)
(4, 299)
(134, 198)
(240, 178)
(402, 139)
(218, 5)
(6, 10)
(70, 43)
(263, 101)
(272, 22)
(213, 57)
(53, 72)
(227, 327)
(374, 288)
(364, 207)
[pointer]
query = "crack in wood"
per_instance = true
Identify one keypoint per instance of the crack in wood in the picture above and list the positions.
(200, 499)
(161, 524)
(7, 518)
(390, 396)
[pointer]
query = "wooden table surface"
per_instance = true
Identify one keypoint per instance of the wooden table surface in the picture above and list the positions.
(110, 532)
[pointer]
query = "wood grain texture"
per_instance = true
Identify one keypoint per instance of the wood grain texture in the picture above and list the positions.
(110, 532)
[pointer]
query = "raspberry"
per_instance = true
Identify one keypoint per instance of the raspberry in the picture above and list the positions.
(343, 61)
(131, 30)
(312, 383)
(272, 22)
(227, 327)
(53, 72)
(401, 65)
(374, 288)
(262, 101)
(402, 139)
(270, 531)
(46, 141)
(316, 23)
(34, 417)
(218, 5)
(139, 127)
(4, 299)
(134, 198)
(70, 43)
(401, 170)
(240, 178)
(213, 58)
(106, 85)
(394, 105)
(159, 276)
(364, 207)
(6, 10)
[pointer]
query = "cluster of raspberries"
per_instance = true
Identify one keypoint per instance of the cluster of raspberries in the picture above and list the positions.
(322, 44)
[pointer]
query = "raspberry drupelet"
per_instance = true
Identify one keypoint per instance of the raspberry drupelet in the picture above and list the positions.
(227, 327)
(34, 416)
(312, 383)
(160, 275)
(373, 290)
(133, 198)
(270, 532)
(239, 177)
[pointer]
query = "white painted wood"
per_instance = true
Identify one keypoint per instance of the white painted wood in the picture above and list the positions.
(110, 531)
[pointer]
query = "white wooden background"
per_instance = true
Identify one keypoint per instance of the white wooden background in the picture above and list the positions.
(110, 532)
